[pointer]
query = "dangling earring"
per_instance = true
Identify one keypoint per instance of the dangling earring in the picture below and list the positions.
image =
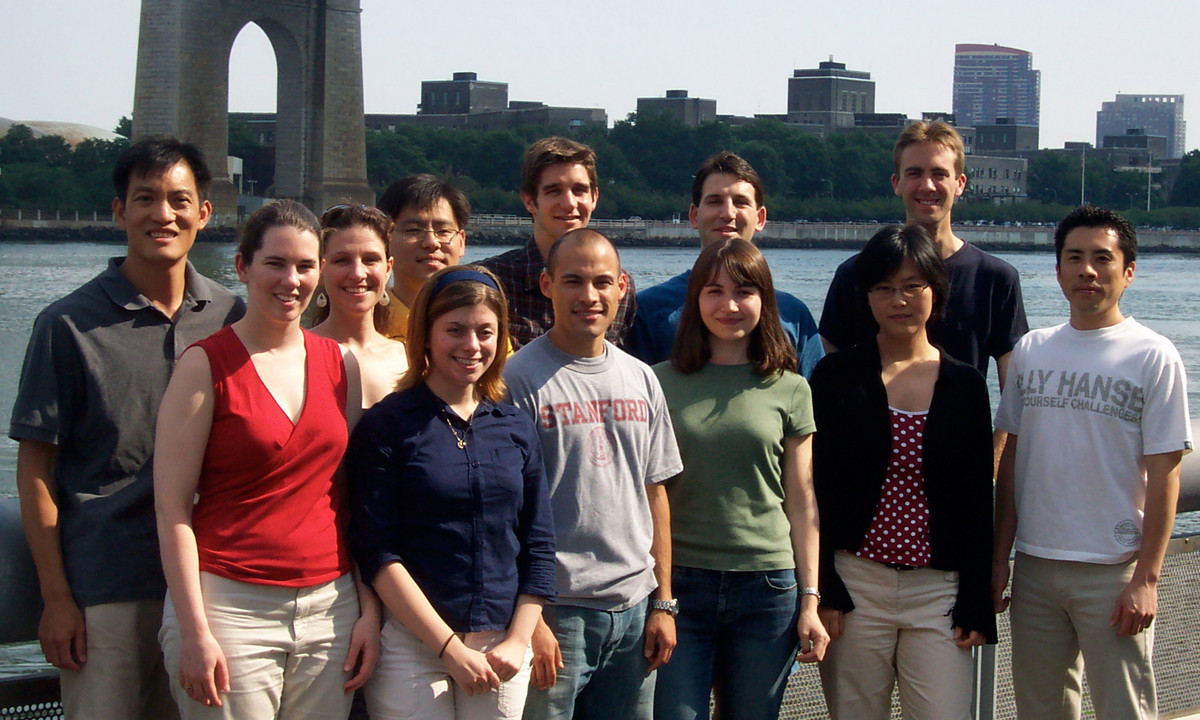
(385, 298)
(322, 300)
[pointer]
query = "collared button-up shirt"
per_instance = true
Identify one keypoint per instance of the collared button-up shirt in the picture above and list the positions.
(471, 524)
(530, 313)
(97, 365)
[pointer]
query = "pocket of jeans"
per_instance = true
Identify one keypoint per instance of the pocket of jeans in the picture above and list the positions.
(781, 580)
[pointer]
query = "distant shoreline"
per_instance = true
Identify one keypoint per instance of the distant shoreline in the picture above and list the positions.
(854, 237)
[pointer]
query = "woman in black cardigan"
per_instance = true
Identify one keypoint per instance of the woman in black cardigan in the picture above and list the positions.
(903, 477)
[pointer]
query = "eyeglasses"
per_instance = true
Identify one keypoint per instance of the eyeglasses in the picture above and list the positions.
(887, 292)
(443, 235)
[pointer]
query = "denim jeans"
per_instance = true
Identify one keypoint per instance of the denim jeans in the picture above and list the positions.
(603, 664)
(734, 629)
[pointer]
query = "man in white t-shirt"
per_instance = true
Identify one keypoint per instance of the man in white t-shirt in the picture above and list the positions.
(1096, 409)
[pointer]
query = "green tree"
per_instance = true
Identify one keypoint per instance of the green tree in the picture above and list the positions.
(1186, 191)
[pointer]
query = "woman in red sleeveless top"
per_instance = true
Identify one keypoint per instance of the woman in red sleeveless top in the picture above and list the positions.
(903, 477)
(262, 618)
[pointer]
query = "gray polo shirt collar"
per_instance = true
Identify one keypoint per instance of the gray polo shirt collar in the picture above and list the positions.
(123, 294)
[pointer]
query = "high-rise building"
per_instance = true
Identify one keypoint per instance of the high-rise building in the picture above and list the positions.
(830, 95)
(993, 82)
(1153, 115)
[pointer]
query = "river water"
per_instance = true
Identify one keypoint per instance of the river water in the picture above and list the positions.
(1163, 296)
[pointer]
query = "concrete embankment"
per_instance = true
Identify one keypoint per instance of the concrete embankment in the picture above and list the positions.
(498, 230)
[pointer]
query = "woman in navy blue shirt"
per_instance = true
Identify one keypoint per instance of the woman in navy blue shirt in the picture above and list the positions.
(451, 520)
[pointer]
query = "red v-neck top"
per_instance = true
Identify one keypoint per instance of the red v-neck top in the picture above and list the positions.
(269, 505)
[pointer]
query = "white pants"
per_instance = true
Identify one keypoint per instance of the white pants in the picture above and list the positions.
(411, 682)
(285, 648)
(123, 678)
(899, 632)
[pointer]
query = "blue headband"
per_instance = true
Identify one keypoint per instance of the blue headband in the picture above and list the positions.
(463, 275)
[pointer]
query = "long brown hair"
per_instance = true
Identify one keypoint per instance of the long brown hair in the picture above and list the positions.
(429, 306)
(770, 352)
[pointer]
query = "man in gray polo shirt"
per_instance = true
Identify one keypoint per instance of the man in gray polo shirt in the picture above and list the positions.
(95, 370)
(607, 444)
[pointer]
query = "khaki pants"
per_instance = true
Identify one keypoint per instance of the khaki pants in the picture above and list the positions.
(898, 633)
(285, 648)
(411, 682)
(123, 677)
(1060, 611)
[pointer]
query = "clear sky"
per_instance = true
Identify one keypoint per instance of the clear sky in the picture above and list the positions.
(74, 60)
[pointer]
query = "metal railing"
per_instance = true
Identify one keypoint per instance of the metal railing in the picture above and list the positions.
(1177, 632)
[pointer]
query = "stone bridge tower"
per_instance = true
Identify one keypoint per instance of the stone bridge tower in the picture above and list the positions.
(183, 90)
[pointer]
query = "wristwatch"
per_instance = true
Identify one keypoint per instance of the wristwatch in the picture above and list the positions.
(671, 606)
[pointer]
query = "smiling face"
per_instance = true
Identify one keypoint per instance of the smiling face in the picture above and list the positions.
(727, 209)
(902, 304)
(565, 200)
(461, 347)
(1093, 275)
(928, 184)
(423, 242)
(585, 289)
(729, 311)
(356, 269)
(283, 274)
(161, 214)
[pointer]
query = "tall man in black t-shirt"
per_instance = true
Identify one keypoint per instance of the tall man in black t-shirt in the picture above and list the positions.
(984, 315)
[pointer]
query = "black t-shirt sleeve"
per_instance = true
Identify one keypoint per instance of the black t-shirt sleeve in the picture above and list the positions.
(842, 318)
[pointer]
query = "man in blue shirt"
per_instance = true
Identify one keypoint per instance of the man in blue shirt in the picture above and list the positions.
(727, 202)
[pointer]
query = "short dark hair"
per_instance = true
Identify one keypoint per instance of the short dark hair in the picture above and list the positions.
(887, 250)
(551, 151)
(770, 351)
(281, 213)
(156, 154)
(726, 163)
(583, 234)
(422, 192)
(1097, 217)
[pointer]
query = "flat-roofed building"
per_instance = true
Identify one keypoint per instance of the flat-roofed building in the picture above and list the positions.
(1160, 115)
(993, 81)
(829, 95)
(690, 111)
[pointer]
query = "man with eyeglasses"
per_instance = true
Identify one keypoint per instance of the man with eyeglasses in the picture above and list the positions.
(430, 218)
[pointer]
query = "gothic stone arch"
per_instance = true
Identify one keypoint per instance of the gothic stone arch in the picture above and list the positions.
(182, 90)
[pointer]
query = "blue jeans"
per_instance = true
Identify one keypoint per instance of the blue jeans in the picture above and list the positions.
(734, 629)
(603, 664)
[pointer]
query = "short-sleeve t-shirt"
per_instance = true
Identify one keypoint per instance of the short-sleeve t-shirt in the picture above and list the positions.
(727, 505)
(984, 315)
(605, 434)
(1087, 407)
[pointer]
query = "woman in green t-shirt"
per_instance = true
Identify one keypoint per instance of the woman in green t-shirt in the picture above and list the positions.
(743, 513)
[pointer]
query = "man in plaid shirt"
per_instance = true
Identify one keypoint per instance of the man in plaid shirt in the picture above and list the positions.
(559, 189)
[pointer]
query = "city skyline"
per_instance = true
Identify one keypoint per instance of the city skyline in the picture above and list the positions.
(83, 70)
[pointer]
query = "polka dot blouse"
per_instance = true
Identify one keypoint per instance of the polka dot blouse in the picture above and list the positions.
(899, 531)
